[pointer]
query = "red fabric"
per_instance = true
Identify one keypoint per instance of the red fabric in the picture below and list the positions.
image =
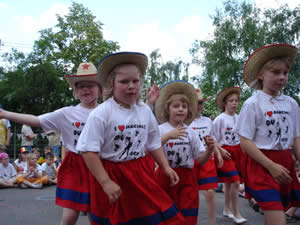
(185, 193)
(73, 183)
(142, 198)
(207, 171)
(262, 186)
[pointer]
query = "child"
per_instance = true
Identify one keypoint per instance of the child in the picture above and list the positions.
(268, 125)
(206, 173)
(7, 172)
(21, 161)
(37, 152)
(123, 187)
(32, 176)
(175, 109)
(49, 168)
(229, 174)
(72, 191)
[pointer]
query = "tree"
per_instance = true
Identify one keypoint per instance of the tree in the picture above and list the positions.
(240, 29)
(35, 83)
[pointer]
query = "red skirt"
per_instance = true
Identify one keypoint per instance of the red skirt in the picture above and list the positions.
(206, 175)
(231, 170)
(185, 193)
(72, 190)
(142, 200)
(260, 185)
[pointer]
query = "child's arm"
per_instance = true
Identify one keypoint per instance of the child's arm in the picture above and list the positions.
(95, 165)
(278, 172)
(296, 147)
(177, 133)
(219, 156)
(21, 118)
(152, 95)
(210, 148)
(54, 169)
(159, 157)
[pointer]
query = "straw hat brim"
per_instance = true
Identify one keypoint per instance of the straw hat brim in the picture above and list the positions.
(261, 56)
(171, 88)
(109, 62)
(73, 79)
(222, 94)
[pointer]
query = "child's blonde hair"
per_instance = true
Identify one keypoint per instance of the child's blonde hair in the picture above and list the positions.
(107, 87)
(29, 158)
(180, 97)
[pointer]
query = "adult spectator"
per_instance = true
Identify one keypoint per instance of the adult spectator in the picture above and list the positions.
(27, 137)
(4, 131)
(54, 143)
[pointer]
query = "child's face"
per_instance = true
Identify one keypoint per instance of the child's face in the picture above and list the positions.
(33, 160)
(49, 161)
(46, 151)
(24, 156)
(232, 102)
(126, 85)
(87, 92)
(37, 153)
(178, 111)
(275, 78)
(5, 161)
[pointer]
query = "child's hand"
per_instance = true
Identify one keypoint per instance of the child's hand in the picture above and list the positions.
(225, 154)
(152, 94)
(210, 143)
(220, 161)
(174, 178)
(177, 133)
(112, 190)
(280, 173)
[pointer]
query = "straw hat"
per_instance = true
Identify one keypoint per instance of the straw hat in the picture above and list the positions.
(200, 95)
(261, 56)
(85, 72)
(172, 88)
(109, 62)
(222, 94)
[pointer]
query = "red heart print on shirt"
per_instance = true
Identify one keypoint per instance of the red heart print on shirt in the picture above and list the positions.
(228, 128)
(77, 124)
(121, 127)
(194, 128)
(171, 144)
(269, 113)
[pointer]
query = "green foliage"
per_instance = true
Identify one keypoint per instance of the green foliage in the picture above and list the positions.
(240, 29)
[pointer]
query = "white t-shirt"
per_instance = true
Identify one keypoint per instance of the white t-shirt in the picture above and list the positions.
(21, 164)
(49, 171)
(26, 131)
(120, 134)
(7, 172)
(203, 127)
(32, 175)
(68, 121)
(223, 129)
(270, 123)
(181, 153)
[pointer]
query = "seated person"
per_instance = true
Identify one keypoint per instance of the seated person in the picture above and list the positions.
(21, 162)
(49, 168)
(32, 176)
(8, 173)
(37, 152)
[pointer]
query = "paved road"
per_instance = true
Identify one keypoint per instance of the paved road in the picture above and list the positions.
(37, 207)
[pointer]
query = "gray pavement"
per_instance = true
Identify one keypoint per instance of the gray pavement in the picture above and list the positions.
(37, 207)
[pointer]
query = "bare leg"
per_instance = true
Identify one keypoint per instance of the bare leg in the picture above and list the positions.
(210, 198)
(69, 216)
(274, 217)
(227, 199)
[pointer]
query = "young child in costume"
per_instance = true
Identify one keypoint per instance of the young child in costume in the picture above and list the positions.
(72, 192)
(268, 126)
(8, 173)
(230, 173)
(32, 176)
(113, 144)
(206, 173)
(175, 109)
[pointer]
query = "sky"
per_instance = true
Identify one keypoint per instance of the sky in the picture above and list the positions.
(169, 25)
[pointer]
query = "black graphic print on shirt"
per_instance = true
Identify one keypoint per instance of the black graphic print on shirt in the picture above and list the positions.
(231, 137)
(277, 126)
(177, 153)
(202, 132)
(127, 141)
(77, 128)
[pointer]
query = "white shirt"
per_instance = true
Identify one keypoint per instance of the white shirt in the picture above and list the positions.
(203, 127)
(120, 134)
(270, 123)
(69, 121)
(32, 175)
(48, 169)
(223, 130)
(20, 164)
(181, 153)
(26, 131)
(7, 172)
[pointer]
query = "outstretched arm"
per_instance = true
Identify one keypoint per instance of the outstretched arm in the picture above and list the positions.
(152, 95)
(21, 118)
